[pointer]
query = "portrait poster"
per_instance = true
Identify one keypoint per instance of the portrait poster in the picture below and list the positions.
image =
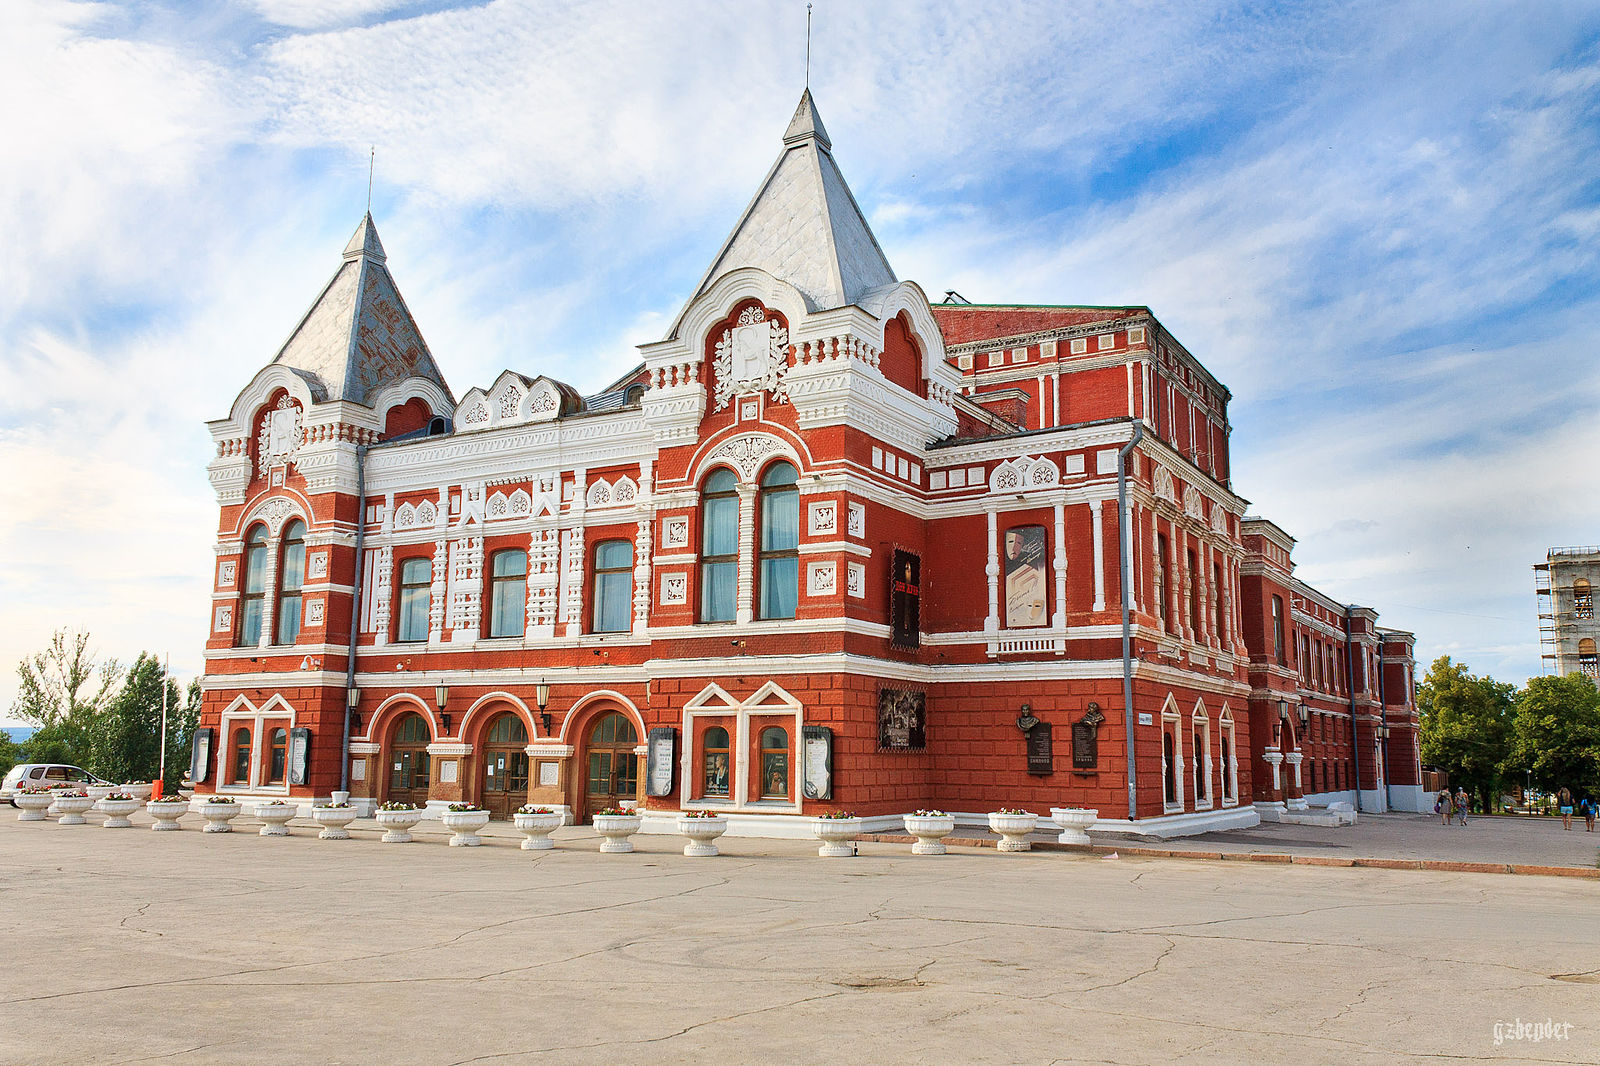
(1024, 575)
(902, 717)
(905, 600)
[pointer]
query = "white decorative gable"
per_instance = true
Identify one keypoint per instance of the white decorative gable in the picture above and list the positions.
(511, 401)
(1024, 474)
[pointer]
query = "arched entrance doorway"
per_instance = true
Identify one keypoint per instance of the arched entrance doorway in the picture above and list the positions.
(505, 763)
(409, 770)
(613, 768)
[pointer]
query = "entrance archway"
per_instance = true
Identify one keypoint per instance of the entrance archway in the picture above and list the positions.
(409, 768)
(613, 768)
(505, 765)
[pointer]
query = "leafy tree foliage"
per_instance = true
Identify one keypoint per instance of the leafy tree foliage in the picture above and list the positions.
(1467, 727)
(122, 742)
(1557, 734)
(10, 753)
(62, 680)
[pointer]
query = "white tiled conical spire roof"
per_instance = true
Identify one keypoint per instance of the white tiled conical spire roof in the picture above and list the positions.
(804, 226)
(359, 335)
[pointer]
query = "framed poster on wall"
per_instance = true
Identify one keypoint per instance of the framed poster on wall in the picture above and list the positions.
(1024, 575)
(905, 600)
(902, 720)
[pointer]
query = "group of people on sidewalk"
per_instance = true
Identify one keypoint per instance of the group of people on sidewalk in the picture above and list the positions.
(1585, 806)
(1454, 807)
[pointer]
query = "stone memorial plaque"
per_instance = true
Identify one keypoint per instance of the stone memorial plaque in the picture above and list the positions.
(1086, 739)
(299, 755)
(818, 762)
(200, 756)
(1041, 754)
(548, 774)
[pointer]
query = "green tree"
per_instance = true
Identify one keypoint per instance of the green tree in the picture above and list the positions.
(1467, 727)
(10, 753)
(62, 680)
(123, 739)
(1557, 733)
(61, 741)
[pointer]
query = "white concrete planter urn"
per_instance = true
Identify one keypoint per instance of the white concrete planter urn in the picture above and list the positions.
(930, 828)
(99, 792)
(1013, 826)
(835, 831)
(536, 824)
(274, 817)
(1074, 823)
(702, 828)
(397, 819)
(166, 812)
(219, 812)
(139, 790)
(615, 826)
(117, 807)
(464, 820)
(72, 806)
(333, 817)
(32, 805)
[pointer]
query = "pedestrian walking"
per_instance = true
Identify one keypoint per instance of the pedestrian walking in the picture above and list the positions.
(1590, 809)
(1564, 804)
(1444, 806)
(1463, 805)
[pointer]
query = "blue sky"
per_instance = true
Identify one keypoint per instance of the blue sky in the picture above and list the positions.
(1376, 223)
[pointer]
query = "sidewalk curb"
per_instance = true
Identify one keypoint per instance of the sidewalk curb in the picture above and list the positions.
(1278, 857)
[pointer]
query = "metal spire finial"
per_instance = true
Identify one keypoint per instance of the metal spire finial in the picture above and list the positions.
(808, 46)
(372, 161)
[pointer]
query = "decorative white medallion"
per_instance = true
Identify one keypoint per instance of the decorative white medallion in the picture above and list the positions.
(823, 519)
(224, 618)
(752, 356)
(280, 436)
(857, 520)
(317, 565)
(747, 452)
(674, 589)
(821, 579)
(675, 532)
(225, 573)
(314, 612)
(855, 580)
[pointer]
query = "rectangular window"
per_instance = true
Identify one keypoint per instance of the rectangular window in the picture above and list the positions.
(613, 586)
(1194, 596)
(1217, 603)
(509, 593)
(1024, 576)
(719, 549)
(416, 575)
(1163, 562)
(1277, 631)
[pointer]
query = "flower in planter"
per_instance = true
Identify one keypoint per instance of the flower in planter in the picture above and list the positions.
(398, 805)
(929, 814)
(613, 812)
(1013, 810)
(702, 814)
(326, 806)
(528, 808)
(466, 807)
(838, 815)
(220, 799)
(275, 803)
(119, 796)
(35, 790)
(73, 794)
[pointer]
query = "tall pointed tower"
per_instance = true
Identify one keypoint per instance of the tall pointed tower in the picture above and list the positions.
(355, 371)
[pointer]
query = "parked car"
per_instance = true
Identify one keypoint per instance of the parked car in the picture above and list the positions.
(47, 774)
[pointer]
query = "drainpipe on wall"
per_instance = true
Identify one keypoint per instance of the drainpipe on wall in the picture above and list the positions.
(1350, 688)
(355, 613)
(1124, 543)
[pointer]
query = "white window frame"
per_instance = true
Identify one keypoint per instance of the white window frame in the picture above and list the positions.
(242, 712)
(1228, 773)
(1172, 722)
(1200, 720)
(771, 700)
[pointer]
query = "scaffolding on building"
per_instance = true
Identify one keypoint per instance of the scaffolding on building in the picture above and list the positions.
(1558, 613)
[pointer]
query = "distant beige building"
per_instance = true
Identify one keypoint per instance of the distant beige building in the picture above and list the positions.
(1568, 632)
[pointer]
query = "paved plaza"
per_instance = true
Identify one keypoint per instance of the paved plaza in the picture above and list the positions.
(180, 948)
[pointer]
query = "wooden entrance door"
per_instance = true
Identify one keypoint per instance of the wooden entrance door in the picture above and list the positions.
(409, 775)
(505, 763)
(613, 767)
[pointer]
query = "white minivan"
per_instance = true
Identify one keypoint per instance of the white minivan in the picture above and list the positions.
(47, 774)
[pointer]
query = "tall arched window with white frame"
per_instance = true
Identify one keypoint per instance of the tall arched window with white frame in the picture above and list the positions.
(779, 579)
(253, 589)
(291, 577)
(719, 546)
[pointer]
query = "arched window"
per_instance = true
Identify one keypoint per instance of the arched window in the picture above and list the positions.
(1169, 769)
(634, 396)
(1588, 659)
(780, 541)
(291, 575)
(774, 763)
(277, 756)
(613, 586)
(254, 587)
(508, 729)
(415, 577)
(241, 756)
(716, 762)
(508, 594)
(1582, 599)
(719, 546)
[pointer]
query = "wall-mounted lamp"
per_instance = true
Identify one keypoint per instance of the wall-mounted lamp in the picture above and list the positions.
(352, 697)
(1305, 714)
(541, 693)
(1283, 710)
(441, 693)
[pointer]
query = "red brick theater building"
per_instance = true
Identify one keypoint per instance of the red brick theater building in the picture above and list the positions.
(828, 546)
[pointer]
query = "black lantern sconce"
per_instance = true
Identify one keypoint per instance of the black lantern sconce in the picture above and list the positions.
(441, 694)
(541, 693)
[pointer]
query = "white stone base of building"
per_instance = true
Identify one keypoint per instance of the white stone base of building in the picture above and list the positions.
(1410, 798)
